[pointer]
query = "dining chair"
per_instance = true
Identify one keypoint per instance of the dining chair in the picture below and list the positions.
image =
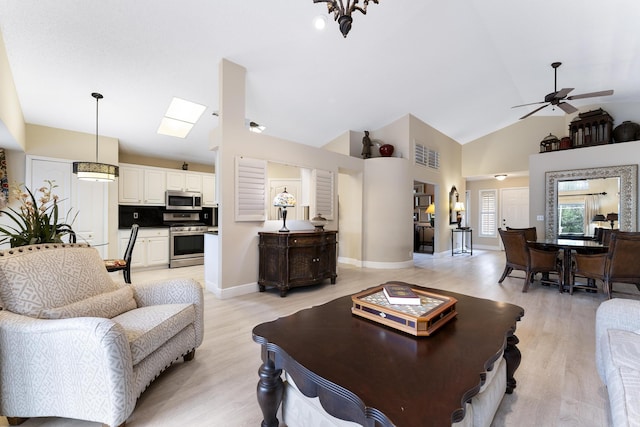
(530, 233)
(618, 264)
(124, 264)
(519, 256)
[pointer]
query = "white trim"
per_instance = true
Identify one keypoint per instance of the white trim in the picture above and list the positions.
(388, 265)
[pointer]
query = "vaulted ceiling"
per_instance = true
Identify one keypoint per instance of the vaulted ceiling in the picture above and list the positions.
(457, 65)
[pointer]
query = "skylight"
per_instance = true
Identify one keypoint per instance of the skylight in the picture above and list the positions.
(180, 118)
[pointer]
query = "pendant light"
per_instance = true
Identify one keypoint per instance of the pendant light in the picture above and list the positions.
(90, 171)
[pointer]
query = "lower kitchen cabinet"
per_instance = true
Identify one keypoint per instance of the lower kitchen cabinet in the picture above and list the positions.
(151, 247)
(293, 259)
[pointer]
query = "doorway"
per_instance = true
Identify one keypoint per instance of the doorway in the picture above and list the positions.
(514, 211)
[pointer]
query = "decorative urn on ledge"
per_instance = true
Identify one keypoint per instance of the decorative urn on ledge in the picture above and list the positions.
(386, 150)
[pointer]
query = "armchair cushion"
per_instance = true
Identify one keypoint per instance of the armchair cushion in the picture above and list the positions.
(82, 270)
(148, 328)
(106, 305)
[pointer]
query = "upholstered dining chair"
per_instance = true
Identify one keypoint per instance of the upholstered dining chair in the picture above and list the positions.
(125, 263)
(531, 260)
(618, 264)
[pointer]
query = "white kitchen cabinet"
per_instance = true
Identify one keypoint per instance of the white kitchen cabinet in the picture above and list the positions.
(209, 190)
(154, 187)
(184, 181)
(141, 186)
(151, 247)
(130, 185)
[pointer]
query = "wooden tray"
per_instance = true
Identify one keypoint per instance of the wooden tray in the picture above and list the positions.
(418, 320)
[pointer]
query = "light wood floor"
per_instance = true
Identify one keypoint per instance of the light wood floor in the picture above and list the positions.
(557, 380)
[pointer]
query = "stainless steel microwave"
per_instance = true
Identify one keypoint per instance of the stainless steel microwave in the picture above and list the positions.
(183, 200)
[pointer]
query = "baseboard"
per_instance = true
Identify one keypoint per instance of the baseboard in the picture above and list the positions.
(388, 265)
(350, 261)
(234, 291)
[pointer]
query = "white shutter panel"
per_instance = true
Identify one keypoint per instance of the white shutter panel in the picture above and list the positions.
(251, 189)
(488, 213)
(324, 194)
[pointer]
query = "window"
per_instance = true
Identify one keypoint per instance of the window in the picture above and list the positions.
(488, 213)
(571, 218)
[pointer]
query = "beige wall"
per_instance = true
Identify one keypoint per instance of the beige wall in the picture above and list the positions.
(474, 188)
(507, 150)
(137, 159)
(12, 128)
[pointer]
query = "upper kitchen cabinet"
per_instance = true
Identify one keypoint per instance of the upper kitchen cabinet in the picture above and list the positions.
(184, 181)
(209, 190)
(141, 186)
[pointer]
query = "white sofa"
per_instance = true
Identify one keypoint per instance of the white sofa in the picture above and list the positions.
(301, 411)
(75, 344)
(618, 358)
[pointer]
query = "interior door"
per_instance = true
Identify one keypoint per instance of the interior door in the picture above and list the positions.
(514, 205)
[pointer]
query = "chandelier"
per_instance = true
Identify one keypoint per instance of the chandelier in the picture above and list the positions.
(95, 171)
(342, 11)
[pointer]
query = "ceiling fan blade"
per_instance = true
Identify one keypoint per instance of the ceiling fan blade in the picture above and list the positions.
(567, 108)
(592, 94)
(531, 103)
(563, 92)
(534, 111)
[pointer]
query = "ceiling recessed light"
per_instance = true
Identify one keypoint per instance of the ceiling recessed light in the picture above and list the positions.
(319, 22)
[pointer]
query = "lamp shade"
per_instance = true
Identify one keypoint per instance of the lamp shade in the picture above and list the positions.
(598, 218)
(431, 209)
(458, 207)
(612, 217)
(91, 171)
(284, 199)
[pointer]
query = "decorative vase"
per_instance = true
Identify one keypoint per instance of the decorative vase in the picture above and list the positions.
(626, 131)
(318, 222)
(386, 150)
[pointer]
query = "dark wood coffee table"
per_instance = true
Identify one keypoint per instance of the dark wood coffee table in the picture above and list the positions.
(378, 376)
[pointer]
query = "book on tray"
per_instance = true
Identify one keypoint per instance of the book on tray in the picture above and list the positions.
(400, 294)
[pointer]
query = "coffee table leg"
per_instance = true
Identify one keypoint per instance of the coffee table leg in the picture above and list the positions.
(269, 392)
(512, 356)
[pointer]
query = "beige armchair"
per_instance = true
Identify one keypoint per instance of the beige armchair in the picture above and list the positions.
(75, 344)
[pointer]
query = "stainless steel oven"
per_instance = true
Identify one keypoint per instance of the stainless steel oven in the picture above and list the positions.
(186, 239)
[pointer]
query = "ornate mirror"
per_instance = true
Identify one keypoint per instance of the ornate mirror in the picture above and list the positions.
(453, 198)
(627, 196)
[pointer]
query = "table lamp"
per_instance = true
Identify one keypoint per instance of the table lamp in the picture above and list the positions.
(284, 200)
(431, 210)
(611, 217)
(598, 218)
(459, 207)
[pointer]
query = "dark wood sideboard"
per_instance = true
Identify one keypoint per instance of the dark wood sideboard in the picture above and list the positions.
(297, 258)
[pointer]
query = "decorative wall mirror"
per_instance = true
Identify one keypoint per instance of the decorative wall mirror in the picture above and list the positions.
(627, 203)
(453, 198)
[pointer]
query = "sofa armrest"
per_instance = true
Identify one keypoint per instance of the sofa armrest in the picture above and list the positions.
(617, 313)
(175, 291)
(77, 368)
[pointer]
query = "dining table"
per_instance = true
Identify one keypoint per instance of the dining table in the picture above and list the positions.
(568, 247)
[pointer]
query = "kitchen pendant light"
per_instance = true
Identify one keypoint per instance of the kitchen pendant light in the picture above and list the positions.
(95, 171)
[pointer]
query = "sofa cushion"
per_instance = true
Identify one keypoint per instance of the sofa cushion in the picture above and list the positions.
(148, 328)
(37, 277)
(106, 305)
(625, 349)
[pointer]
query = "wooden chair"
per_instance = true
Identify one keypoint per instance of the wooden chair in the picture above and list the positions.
(521, 257)
(618, 264)
(125, 263)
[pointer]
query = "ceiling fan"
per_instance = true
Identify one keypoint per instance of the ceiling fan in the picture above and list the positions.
(557, 97)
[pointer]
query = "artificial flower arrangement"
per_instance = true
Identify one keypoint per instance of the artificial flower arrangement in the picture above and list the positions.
(36, 221)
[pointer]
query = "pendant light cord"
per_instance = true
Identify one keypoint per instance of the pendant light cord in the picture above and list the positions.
(98, 97)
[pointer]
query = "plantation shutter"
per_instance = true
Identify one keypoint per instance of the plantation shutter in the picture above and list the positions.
(251, 189)
(488, 213)
(324, 194)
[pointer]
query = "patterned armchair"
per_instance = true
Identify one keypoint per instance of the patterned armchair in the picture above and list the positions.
(75, 344)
